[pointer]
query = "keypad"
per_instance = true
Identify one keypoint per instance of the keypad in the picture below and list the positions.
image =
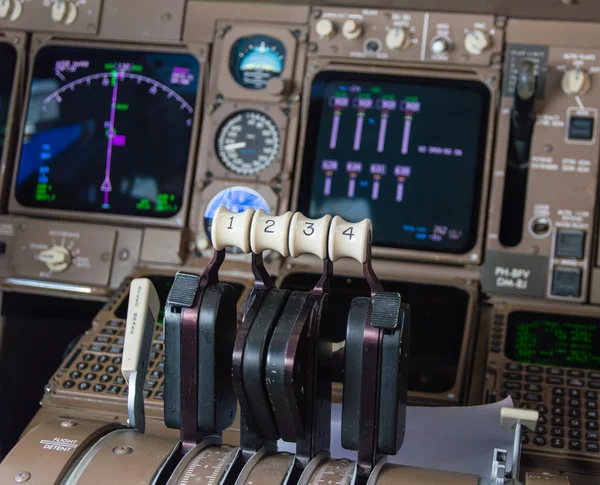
(567, 400)
(97, 369)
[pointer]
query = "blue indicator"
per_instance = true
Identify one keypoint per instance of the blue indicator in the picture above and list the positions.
(408, 228)
(421, 229)
(421, 236)
(364, 183)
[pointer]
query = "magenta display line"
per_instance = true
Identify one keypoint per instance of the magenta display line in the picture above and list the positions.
(335, 129)
(382, 132)
(406, 134)
(360, 121)
(106, 185)
(352, 186)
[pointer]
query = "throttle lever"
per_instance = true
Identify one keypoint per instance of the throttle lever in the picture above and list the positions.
(142, 312)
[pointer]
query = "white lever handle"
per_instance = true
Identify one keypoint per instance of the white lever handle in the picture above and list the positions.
(231, 229)
(270, 232)
(349, 240)
(309, 236)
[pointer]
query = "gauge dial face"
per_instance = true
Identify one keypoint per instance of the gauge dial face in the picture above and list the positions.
(248, 142)
(108, 131)
(236, 199)
(256, 59)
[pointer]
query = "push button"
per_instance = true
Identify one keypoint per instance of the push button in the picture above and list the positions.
(570, 243)
(566, 282)
(581, 128)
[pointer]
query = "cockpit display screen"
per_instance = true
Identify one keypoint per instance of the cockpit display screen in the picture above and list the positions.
(108, 131)
(8, 56)
(406, 152)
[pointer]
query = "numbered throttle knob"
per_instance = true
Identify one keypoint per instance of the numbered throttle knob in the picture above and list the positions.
(349, 239)
(270, 232)
(309, 236)
(231, 229)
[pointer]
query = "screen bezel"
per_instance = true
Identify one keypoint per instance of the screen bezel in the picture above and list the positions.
(177, 220)
(488, 78)
(18, 41)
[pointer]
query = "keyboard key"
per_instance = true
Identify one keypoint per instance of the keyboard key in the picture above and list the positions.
(592, 436)
(117, 360)
(114, 390)
(574, 423)
(159, 347)
(153, 355)
(575, 434)
(120, 380)
(156, 374)
(532, 397)
(557, 443)
(541, 409)
(160, 366)
(594, 375)
(591, 415)
(512, 385)
(102, 359)
(513, 376)
(115, 349)
(558, 411)
(555, 371)
(111, 369)
(516, 395)
(574, 393)
(97, 347)
(574, 413)
(558, 401)
(575, 373)
(68, 384)
(534, 387)
(90, 376)
(102, 339)
(558, 391)
(114, 323)
(591, 395)
(555, 381)
(159, 396)
(539, 441)
(82, 366)
(97, 368)
(109, 331)
(591, 425)
(558, 422)
(524, 437)
(105, 378)
(120, 341)
(534, 378)
(75, 374)
(592, 447)
(557, 432)
(575, 403)
(147, 393)
(575, 445)
(540, 430)
(84, 386)
(88, 357)
(594, 384)
(525, 405)
(591, 405)
(150, 384)
(99, 387)
(535, 369)
(542, 420)
(575, 383)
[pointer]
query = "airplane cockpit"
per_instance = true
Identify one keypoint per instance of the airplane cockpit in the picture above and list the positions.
(346, 242)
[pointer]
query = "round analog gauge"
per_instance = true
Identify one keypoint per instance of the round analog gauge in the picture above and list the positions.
(256, 59)
(236, 199)
(247, 142)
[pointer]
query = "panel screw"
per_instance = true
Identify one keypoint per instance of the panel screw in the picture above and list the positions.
(124, 255)
(122, 450)
(548, 148)
(166, 17)
(68, 423)
(22, 477)
(317, 13)
(105, 256)
(16, 41)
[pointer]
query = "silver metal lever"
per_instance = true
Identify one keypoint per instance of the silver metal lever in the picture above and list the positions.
(142, 313)
(516, 419)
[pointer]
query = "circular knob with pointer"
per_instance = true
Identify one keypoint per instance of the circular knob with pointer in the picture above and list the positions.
(57, 258)
(64, 12)
(477, 41)
(398, 38)
(351, 29)
(10, 9)
(576, 82)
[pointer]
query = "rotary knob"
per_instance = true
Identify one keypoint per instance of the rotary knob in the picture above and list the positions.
(576, 82)
(476, 41)
(57, 258)
(351, 29)
(398, 38)
(325, 28)
(64, 12)
(439, 45)
(10, 9)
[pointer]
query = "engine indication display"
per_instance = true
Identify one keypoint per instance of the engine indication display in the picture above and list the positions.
(108, 131)
(248, 142)
(406, 152)
(8, 56)
(256, 59)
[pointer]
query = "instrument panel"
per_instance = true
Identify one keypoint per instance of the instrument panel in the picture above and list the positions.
(469, 140)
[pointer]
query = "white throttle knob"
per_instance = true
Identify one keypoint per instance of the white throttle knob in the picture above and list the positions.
(57, 258)
(231, 229)
(349, 239)
(309, 236)
(270, 232)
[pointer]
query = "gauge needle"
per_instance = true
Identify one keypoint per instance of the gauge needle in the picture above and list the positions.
(235, 146)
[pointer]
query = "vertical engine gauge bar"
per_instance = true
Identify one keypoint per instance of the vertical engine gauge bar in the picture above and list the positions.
(299, 361)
